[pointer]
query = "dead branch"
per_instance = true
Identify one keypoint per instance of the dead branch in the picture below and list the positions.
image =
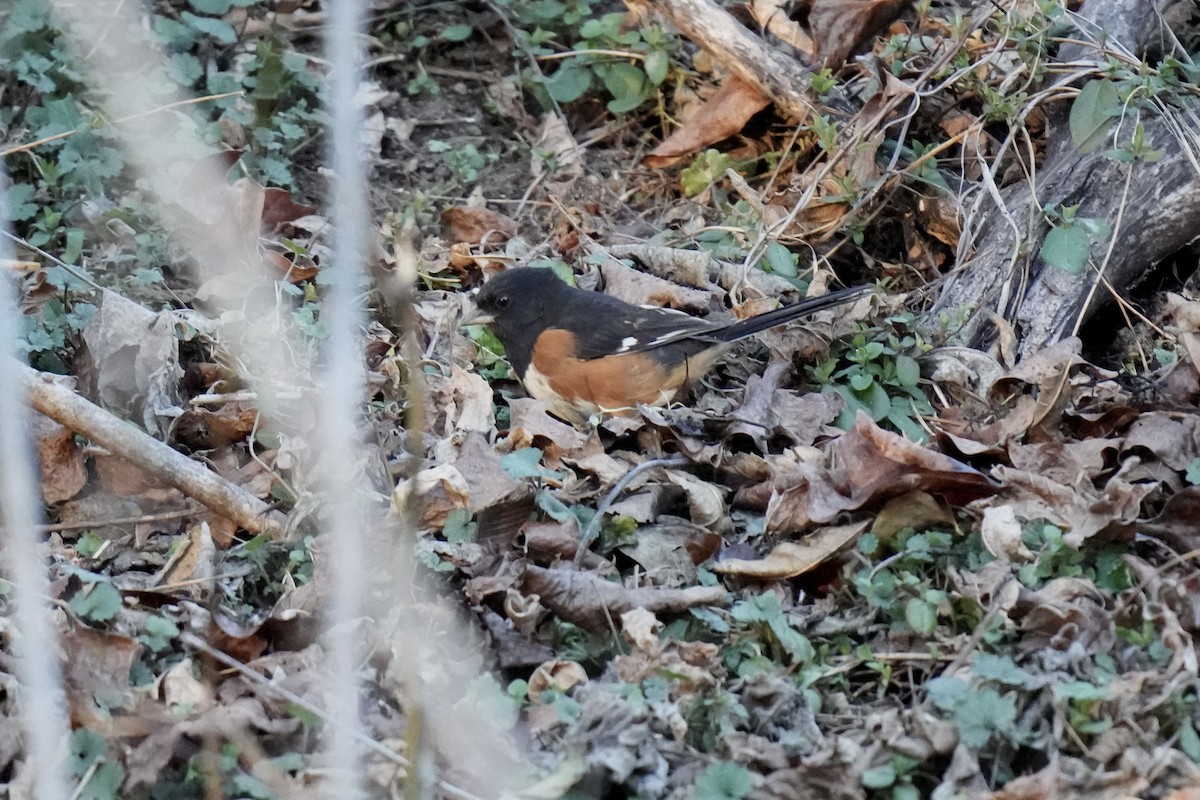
(137, 447)
(781, 78)
(1151, 207)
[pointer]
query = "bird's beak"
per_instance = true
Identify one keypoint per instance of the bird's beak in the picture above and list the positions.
(474, 316)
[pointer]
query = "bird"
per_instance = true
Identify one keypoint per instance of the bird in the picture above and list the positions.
(586, 354)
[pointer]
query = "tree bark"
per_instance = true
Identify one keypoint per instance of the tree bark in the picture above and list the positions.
(1001, 266)
(778, 76)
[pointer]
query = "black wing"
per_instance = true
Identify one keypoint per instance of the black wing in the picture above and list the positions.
(608, 329)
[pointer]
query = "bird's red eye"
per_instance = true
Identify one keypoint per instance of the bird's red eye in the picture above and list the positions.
(503, 302)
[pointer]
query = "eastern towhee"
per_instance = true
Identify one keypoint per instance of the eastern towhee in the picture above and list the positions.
(586, 353)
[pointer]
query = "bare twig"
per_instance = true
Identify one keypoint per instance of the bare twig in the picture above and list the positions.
(136, 446)
(593, 527)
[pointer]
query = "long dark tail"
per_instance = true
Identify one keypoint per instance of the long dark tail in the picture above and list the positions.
(769, 319)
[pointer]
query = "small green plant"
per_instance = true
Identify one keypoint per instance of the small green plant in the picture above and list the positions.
(706, 169)
(489, 353)
(1068, 245)
(464, 160)
(766, 632)
(883, 379)
(90, 758)
(1085, 712)
(723, 780)
(1055, 558)
(460, 526)
(157, 633)
(97, 601)
(893, 780)
(979, 712)
(629, 81)
(590, 51)
(712, 716)
(906, 586)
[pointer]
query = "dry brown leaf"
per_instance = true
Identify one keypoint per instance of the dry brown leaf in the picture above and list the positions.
(992, 586)
(192, 558)
(821, 216)
(20, 267)
(706, 501)
(839, 26)
(478, 464)
(873, 461)
(514, 650)
(1184, 313)
(551, 539)
(182, 693)
(206, 208)
(468, 225)
(642, 289)
(133, 363)
(1099, 424)
(1042, 369)
(243, 642)
(688, 664)
(62, 466)
(768, 411)
(772, 15)
(687, 267)
(530, 425)
(789, 559)
(555, 145)
(96, 671)
(1065, 462)
(461, 402)
(438, 490)
(123, 478)
(1066, 612)
(641, 628)
(872, 465)
(289, 265)
(912, 510)
(201, 429)
(722, 116)
(279, 209)
(1173, 439)
(593, 458)
(1081, 510)
(670, 550)
(965, 368)
(1176, 523)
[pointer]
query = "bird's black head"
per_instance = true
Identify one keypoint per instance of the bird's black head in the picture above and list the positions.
(515, 302)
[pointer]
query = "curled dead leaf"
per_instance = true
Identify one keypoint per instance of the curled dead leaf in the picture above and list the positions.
(1065, 612)
(562, 676)
(789, 559)
(706, 501)
(1002, 535)
(439, 490)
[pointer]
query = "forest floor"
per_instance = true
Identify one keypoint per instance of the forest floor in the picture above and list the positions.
(870, 561)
